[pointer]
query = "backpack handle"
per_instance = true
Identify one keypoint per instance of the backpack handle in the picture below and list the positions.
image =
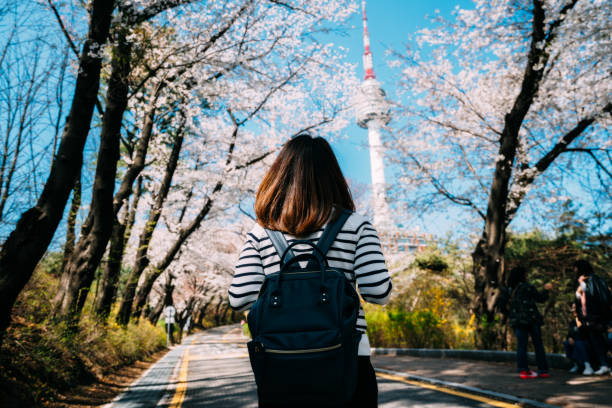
(317, 253)
(276, 294)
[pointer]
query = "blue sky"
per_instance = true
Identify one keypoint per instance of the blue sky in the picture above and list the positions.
(390, 23)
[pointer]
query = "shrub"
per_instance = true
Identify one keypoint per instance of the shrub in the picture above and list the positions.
(40, 357)
(422, 328)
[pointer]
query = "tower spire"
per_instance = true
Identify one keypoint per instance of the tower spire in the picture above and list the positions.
(372, 110)
(367, 54)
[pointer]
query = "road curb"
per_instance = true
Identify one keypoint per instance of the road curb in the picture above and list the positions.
(554, 360)
(498, 396)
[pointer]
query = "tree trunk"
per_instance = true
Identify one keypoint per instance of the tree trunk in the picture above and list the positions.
(119, 238)
(70, 230)
(29, 240)
(183, 316)
(140, 154)
(489, 252)
(224, 313)
(80, 270)
(142, 259)
(112, 269)
(155, 272)
(155, 313)
(202, 313)
(218, 311)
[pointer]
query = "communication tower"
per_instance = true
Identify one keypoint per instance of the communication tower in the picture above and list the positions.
(372, 110)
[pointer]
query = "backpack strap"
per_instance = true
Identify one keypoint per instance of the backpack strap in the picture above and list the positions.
(327, 238)
(330, 232)
(280, 244)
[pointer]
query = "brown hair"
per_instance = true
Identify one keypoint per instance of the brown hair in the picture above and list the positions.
(298, 193)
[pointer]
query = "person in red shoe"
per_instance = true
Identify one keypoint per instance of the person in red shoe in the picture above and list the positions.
(526, 320)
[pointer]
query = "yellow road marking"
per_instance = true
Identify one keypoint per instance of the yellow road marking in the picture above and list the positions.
(480, 398)
(181, 386)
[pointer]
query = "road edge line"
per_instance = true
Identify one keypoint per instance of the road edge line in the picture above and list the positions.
(135, 382)
(492, 395)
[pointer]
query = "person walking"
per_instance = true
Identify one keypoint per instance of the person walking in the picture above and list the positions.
(576, 345)
(302, 192)
(593, 308)
(526, 320)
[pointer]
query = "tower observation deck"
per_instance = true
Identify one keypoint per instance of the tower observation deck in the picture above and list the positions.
(372, 110)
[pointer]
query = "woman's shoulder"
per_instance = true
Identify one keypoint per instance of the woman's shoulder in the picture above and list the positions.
(356, 221)
(257, 233)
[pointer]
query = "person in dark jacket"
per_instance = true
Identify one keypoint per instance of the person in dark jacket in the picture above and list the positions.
(593, 309)
(576, 345)
(526, 320)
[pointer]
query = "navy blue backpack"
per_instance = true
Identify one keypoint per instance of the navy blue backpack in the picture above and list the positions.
(303, 325)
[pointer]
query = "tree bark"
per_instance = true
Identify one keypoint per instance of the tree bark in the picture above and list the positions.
(29, 240)
(155, 313)
(119, 238)
(488, 254)
(183, 316)
(142, 259)
(71, 225)
(140, 154)
(112, 269)
(202, 313)
(145, 288)
(95, 233)
(218, 313)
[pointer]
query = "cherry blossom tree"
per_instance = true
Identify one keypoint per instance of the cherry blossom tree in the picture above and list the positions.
(29, 240)
(509, 105)
(96, 231)
(286, 83)
(193, 99)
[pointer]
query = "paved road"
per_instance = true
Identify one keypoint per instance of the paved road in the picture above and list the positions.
(211, 369)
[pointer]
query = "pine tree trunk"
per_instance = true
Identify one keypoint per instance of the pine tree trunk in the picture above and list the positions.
(29, 240)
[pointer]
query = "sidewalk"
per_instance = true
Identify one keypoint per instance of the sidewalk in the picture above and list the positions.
(561, 389)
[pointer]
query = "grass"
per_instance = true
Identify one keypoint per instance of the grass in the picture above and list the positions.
(40, 358)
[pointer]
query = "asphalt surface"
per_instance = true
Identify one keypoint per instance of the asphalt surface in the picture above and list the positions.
(211, 369)
(561, 389)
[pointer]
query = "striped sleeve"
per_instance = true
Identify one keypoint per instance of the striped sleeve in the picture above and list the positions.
(248, 277)
(371, 272)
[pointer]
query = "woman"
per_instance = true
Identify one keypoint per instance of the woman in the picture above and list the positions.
(303, 190)
(526, 320)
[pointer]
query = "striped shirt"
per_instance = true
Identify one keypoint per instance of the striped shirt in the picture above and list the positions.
(356, 251)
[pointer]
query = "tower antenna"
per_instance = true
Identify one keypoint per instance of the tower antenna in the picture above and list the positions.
(367, 54)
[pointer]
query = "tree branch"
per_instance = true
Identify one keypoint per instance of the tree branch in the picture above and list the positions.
(528, 175)
(73, 46)
(135, 17)
(442, 190)
(290, 7)
(590, 153)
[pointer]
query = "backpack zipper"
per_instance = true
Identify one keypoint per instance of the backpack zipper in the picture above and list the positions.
(315, 350)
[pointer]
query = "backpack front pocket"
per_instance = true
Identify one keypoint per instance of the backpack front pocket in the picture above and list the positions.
(300, 376)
